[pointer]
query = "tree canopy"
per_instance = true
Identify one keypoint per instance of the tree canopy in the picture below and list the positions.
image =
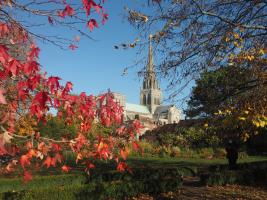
(219, 90)
(194, 36)
(27, 95)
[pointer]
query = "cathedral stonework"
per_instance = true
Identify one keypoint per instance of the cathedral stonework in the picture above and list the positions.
(150, 111)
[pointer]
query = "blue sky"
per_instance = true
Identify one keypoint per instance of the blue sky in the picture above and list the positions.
(97, 66)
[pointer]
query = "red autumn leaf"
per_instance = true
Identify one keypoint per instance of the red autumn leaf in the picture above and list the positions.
(122, 166)
(104, 18)
(91, 24)
(97, 8)
(31, 67)
(61, 14)
(47, 161)
(53, 162)
(25, 161)
(73, 47)
(31, 153)
(4, 56)
(124, 153)
(53, 83)
(67, 88)
(2, 97)
(68, 10)
(137, 126)
(41, 98)
(89, 166)
(88, 4)
(4, 30)
(56, 147)
(34, 52)
(65, 168)
(136, 146)
(3, 150)
(58, 157)
(27, 176)
(14, 66)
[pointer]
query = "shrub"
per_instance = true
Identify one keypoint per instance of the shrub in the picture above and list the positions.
(247, 174)
(219, 153)
(101, 186)
(147, 147)
(164, 151)
(242, 155)
(175, 151)
(187, 153)
(206, 153)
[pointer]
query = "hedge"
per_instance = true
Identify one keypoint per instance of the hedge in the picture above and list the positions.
(103, 186)
(247, 174)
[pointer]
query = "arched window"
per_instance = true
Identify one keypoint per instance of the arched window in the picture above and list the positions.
(144, 85)
(144, 99)
(149, 99)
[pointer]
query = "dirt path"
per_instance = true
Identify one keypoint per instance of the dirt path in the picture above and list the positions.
(193, 190)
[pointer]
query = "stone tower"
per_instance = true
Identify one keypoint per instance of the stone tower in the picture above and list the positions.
(150, 94)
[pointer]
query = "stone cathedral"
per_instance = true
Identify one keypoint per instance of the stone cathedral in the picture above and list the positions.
(150, 111)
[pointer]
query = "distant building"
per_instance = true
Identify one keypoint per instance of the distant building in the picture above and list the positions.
(150, 111)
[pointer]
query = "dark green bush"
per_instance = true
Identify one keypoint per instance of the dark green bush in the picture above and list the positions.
(247, 174)
(99, 186)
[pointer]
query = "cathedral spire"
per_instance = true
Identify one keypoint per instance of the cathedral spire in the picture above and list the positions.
(150, 94)
(150, 56)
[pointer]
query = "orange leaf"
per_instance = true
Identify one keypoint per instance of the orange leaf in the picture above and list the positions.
(48, 161)
(65, 168)
(27, 177)
(124, 153)
(24, 161)
(135, 146)
(79, 157)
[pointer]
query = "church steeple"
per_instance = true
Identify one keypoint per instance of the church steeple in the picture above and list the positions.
(150, 67)
(150, 94)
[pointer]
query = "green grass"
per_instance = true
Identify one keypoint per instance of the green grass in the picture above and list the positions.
(17, 184)
(169, 161)
(46, 181)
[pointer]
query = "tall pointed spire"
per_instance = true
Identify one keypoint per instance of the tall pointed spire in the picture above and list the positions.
(150, 55)
(150, 94)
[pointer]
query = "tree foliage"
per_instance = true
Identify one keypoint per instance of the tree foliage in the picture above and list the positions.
(194, 36)
(27, 95)
(218, 90)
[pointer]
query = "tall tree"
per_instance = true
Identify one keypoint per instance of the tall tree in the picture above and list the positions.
(219, 90)
(194, 36)
(29, 88)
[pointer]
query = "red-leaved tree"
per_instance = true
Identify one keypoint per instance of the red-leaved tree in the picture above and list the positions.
(25, 87)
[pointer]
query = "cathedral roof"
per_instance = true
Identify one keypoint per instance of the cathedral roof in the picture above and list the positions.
(162, 109)
(137, 108)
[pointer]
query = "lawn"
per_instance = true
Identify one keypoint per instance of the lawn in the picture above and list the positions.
(72, 184)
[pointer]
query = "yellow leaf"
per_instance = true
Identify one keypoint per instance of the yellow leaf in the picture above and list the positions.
(250, 57)
(242, 118)
(261, 51)
(236, 36)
